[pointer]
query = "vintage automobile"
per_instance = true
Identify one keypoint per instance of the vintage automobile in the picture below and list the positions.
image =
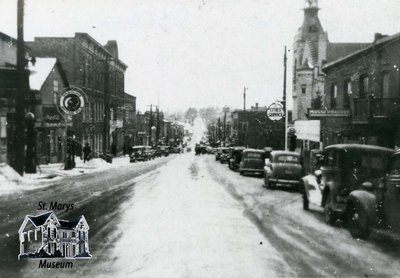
(376, 205)
(236, 157)
(283, 168)
(164, 150)
(141, 153)
(252, 161)
(225, 155)
(220, 151)
(346, 168)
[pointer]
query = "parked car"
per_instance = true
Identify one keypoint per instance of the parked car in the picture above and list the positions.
(157, 152)
(347, 168)
(220, 151)
(236, 157)
(376, 205)
(140, 153)
(283, 168)
(225, 155)
(252, 161)
(164, 150)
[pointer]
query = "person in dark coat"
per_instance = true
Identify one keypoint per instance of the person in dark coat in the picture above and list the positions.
(114, 149)
(86, 152)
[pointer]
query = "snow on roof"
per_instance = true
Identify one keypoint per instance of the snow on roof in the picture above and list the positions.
(40, 71)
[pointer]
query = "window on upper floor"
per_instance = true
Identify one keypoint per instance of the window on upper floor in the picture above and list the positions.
(303, 89)
(346, 94)
(385, 83)
(333, 96)
(55, 86)
(364, 86)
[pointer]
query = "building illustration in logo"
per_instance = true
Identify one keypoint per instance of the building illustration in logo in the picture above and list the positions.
(46, 236)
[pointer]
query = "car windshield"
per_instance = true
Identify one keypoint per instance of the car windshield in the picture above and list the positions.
(288, 159)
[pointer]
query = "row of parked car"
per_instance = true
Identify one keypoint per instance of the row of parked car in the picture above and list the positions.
(145, 153)
(357, 185)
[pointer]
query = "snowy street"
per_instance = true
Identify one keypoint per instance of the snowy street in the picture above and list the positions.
(189, 216)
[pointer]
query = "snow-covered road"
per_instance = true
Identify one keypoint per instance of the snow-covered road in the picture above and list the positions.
(182, 223)
(190, 216)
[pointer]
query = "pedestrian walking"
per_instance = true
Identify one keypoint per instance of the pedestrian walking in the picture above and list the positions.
(86, 152)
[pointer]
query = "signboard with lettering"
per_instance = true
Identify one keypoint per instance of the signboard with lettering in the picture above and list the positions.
(51, 115)
(308, 130)
(275, 111)
(318, 113)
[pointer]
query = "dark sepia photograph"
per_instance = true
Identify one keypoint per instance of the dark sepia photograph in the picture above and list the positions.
(199, 138)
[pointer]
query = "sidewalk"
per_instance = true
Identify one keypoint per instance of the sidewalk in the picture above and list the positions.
(47, 174)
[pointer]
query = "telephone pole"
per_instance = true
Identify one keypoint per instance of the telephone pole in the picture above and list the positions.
(244, 98)
(284, 97)
(19, 135)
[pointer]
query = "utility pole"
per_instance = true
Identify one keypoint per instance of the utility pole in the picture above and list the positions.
(284, 97)
(244, 98)
(19, 134)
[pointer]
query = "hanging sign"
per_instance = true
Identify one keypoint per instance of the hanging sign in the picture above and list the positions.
(275, 111)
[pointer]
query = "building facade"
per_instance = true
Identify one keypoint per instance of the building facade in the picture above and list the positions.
(98, 71)
(254, 129)
(367, 83)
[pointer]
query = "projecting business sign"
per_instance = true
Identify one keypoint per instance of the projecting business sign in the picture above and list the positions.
(51, 115)
(275, 111)
(72, 101)
(318, 113)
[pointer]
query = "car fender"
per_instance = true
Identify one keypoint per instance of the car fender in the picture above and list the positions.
(366, 201)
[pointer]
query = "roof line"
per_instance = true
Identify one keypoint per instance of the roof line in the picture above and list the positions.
(368, 48)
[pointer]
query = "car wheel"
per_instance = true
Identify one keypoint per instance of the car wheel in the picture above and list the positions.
(330, 216)
(305, 201)
(241, 173)
(357, 221)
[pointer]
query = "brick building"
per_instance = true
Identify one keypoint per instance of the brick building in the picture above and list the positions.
(367, 83)
(99, 72)
(46, 79)
(129, 124)
(254, 129)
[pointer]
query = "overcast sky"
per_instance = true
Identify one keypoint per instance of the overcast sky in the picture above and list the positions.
(201, 52)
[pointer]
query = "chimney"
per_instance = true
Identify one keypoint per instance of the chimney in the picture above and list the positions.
(379, 36)
(256, 105)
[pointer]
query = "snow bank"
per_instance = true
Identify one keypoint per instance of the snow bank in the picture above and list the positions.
(9, 178)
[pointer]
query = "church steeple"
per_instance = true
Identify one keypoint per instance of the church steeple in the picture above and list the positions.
(311, 25)
(311, 4)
